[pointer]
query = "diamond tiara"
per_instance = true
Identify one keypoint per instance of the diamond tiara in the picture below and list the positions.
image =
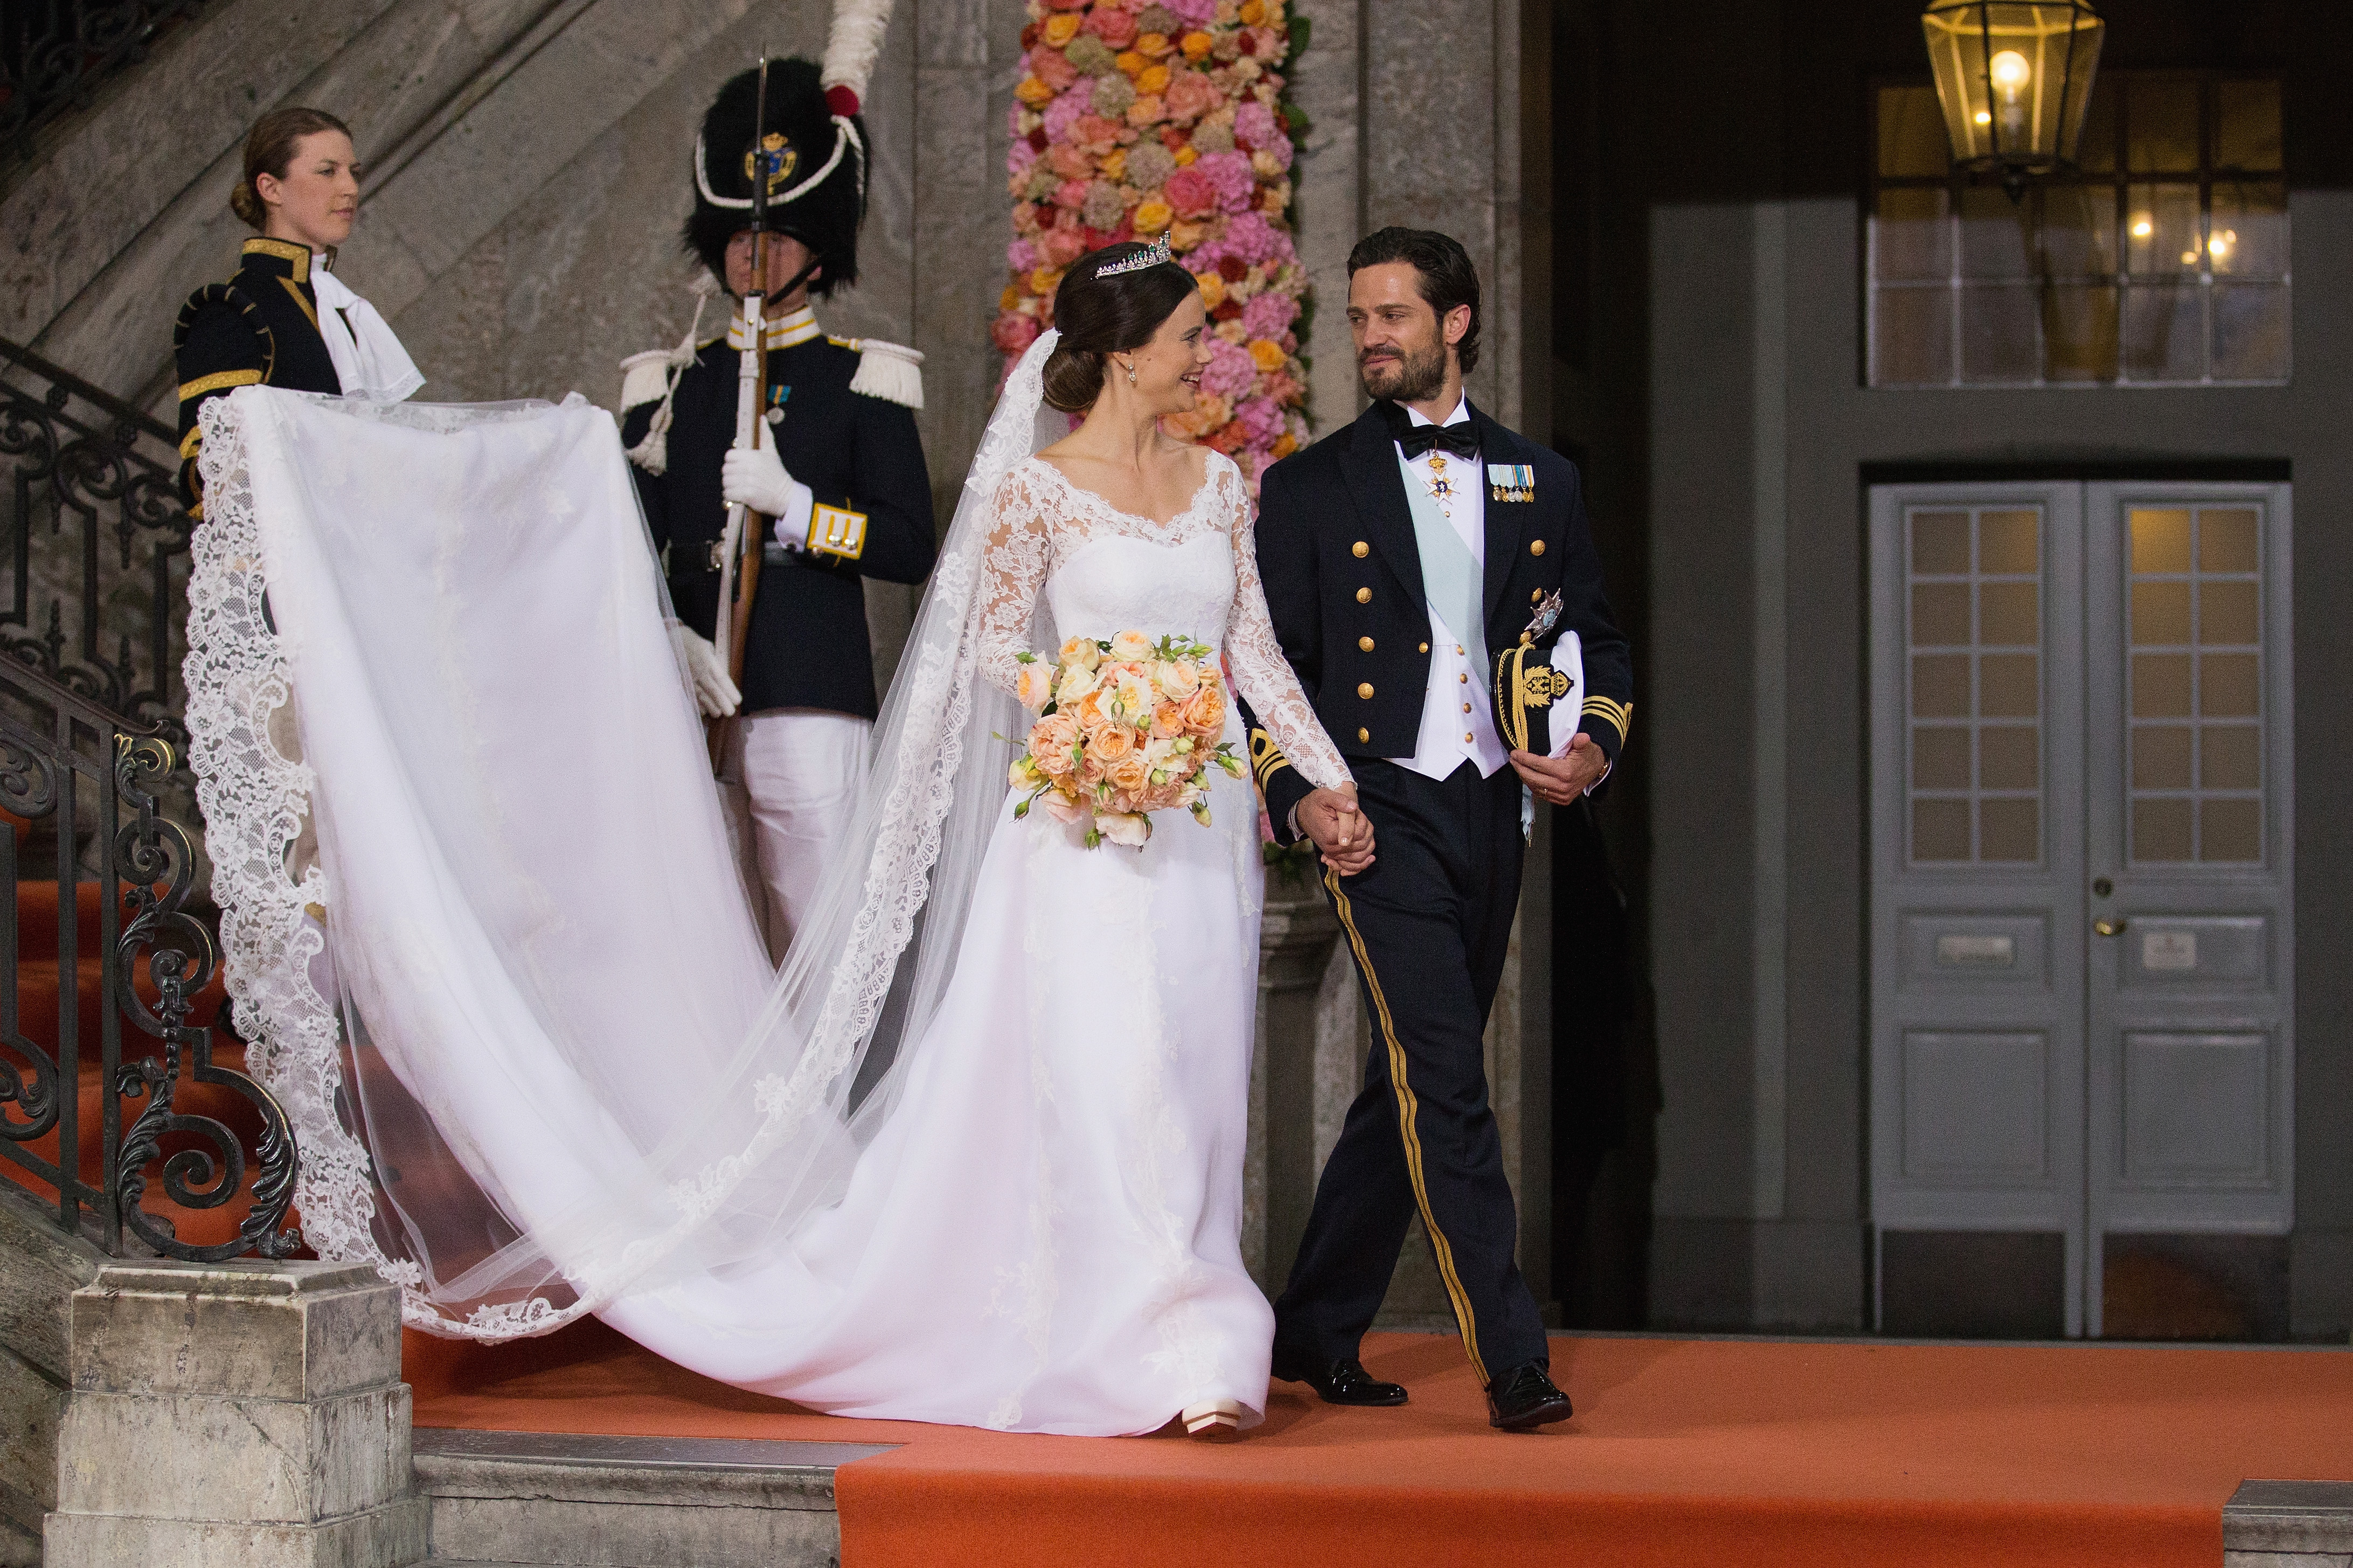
(1151, 256)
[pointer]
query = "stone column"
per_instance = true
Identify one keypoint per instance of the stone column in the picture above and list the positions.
(241, 1414)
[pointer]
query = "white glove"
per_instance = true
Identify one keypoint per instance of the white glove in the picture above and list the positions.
(714, 692)
(756, 478)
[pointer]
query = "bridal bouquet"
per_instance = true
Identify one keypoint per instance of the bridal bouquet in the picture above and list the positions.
(1124, 727)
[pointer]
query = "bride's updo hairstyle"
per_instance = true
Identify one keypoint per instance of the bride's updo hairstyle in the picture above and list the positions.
(1100, 311)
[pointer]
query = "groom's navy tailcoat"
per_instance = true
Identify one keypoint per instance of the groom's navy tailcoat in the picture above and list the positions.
(1343, 574)
(1430, 922)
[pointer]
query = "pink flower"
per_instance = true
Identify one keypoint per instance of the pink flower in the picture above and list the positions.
(1095, 128)
(1199, 13)
(1260, 420)
(1231, 172)
(1062, 247)
(1013, 332)
(1270, 314)
(1254, 125)
(1249, 236)
(1065, 112)
(1070, 193)
(1191, 192)
(1230, 371)
(1050, 67)
(1020, 156)
(1115, 27)
(1022, 255)
(1189, 95)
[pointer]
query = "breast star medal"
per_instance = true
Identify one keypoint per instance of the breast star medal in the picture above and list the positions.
(1547, 617)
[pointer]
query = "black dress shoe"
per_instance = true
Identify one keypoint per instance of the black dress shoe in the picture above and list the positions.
(1345, 1382)
(1524, 1399)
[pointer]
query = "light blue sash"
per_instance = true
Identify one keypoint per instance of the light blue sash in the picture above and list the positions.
(1451, 577)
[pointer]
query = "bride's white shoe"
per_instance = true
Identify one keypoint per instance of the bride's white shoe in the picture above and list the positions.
(1212, 1419)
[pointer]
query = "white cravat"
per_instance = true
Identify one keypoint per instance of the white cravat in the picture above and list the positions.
(1458, 722)
(368, 359)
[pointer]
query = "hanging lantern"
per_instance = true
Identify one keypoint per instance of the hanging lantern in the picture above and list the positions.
(2014, 77)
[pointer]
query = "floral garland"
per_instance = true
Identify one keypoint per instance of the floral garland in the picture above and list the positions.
(1143, 117)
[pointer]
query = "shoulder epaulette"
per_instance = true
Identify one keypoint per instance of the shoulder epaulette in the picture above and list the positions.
(230, 295)
(892, 371)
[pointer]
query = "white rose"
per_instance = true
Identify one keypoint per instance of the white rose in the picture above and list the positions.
(1131, 646)
(1131, 828)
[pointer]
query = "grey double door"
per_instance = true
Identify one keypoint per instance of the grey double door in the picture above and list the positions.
(2082, 817)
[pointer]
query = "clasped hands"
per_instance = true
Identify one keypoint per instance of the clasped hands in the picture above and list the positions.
(1340, 832)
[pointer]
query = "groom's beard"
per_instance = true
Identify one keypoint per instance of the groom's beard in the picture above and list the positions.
(1408, 378)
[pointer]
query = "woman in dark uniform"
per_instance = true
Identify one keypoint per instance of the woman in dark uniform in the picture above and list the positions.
(265, 325)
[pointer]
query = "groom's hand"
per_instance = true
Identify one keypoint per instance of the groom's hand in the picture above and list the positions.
(1561, 779)
(1343, 834)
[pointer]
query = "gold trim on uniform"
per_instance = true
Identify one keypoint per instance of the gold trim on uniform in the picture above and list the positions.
(215, 381)
(190, 442)
(285, 250)
(836, 531)
(1266, 757)
(295, 289)
(1618, 716)
(1409, 1112)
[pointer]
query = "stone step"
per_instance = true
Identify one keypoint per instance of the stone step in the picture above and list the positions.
(2288, 1524)
(508, 1499)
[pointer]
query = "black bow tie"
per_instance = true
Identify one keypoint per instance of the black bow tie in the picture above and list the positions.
(1462, 439)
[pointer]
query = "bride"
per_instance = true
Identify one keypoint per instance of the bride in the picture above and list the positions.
(975, 1154)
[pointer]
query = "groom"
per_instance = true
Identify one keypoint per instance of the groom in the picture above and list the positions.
(1426, 568)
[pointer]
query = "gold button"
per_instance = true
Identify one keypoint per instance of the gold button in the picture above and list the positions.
(1466, 708)
(1364, 645)
(1425, 647)
(1458, 650)
(1365, 690)
(1367, 734)
(1360, 549)
(1535, 547)
(1465, 679)
(1466, 734)
(1364, 595)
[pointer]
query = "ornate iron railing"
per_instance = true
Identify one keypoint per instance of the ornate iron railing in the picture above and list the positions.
(98, 544)
(92, 629)
(54, 53)
(81, 784)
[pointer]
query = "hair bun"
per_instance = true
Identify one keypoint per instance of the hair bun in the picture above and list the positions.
(1073, 378)
(246, 205)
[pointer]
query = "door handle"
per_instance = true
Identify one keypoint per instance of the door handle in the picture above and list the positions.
(2109, 928)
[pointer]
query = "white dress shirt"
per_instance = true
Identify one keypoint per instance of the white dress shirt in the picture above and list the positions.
(1458, 722)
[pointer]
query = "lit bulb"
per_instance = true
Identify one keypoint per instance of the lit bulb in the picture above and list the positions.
(1985, 117)
(2219, 246)
(2188, 258)
(2011, 73)
(2142, 228)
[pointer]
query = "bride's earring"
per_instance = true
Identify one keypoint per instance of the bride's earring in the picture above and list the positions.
(1131, 372)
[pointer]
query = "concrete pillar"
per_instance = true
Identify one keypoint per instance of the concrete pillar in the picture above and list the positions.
(236, 1416)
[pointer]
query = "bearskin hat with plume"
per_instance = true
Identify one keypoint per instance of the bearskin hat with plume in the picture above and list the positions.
(822, 213)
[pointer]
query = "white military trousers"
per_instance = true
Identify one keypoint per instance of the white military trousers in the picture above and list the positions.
(790, 780)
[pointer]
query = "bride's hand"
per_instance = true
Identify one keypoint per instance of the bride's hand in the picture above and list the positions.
(1342, 833)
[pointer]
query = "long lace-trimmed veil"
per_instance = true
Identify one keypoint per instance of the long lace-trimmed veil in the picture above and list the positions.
(533, 1056)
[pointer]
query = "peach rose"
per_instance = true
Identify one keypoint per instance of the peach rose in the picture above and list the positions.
(1053, 739)
(1060, 248)
(1131, 646)
(1080, 653)
(1063, 808)
(1167, 720)
(1113, 26)
(1130, 775)
(1076, 683)
(1032, 686)
(1177, 678)
(1204, 712)
(1111, 743)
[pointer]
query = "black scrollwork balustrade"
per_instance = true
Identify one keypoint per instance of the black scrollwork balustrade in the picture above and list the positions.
(53, 52)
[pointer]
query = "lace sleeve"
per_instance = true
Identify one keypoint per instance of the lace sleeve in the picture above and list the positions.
(1263, 675)
(1013, 564)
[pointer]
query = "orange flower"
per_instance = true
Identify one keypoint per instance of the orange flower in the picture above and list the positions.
(1110, 744)
(1034, 93)
(1130, 62)
(1051, 740)
(1114, 164)
(1011, 298)
(1252, 13)
(1186, 155)
(1167, 720)
(1152, 217)
(1197, 46)
(1152, 46)
(1154, 80)
(1267, 354)
(1285, 444)
(1204, 712)
(1044, 279)
(1059, 30)
(1131, 774)
(1213, 288)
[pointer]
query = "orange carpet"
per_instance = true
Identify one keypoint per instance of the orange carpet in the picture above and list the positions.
(1683, 1452)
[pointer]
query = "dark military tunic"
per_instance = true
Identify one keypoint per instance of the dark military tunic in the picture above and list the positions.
(260, 328)
(808, 645)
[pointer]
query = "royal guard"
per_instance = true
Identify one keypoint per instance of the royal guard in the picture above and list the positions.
(831, 472)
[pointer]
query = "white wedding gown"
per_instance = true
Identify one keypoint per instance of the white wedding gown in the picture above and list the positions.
(1046, 1237)
(972, 1156)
